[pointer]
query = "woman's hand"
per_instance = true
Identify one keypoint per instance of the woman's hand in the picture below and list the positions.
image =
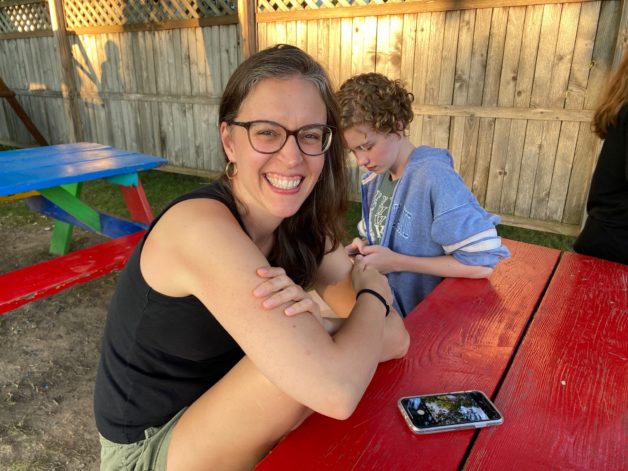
(396, 337)
(279, 289)
(364, 276)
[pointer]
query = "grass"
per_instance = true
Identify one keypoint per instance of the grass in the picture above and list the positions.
(162, 187)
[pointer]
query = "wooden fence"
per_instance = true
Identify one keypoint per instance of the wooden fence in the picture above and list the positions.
(507, 85)
(142, 77)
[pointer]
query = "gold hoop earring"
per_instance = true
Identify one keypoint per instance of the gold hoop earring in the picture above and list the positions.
(231, 170)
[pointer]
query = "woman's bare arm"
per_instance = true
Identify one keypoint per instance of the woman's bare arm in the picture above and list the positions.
(199, 248)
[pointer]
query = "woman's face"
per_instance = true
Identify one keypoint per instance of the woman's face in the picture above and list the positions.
(375, 151)
(275, 184)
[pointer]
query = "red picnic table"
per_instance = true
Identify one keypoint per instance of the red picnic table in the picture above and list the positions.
(545, 337)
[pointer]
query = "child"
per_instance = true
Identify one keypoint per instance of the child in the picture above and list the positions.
(419, 223)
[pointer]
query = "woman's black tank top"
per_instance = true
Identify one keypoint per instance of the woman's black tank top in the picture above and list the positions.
(159, 353)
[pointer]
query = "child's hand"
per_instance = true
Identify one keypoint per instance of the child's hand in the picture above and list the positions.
(356, 247)
(379, 257)
(278, 289)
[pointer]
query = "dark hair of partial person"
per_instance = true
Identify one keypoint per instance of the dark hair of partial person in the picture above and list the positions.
(613, 100)
(300, 239)
(376, 100)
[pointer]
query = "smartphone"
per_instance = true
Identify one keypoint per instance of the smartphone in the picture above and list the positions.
(446, 412)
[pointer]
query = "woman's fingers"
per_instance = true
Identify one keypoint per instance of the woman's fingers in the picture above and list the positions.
(300, 307)
(278, 289)
(288, 294)
(275, 281)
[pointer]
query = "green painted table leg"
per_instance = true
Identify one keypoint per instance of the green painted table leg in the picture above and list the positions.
(62, 232)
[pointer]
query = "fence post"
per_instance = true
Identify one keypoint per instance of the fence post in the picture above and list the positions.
(246, 18)
(68, 82)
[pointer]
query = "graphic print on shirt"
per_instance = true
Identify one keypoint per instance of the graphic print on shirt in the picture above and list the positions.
(381, 203)
(403, 222)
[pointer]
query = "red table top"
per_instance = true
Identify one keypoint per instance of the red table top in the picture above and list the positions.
(463, 336)
(565, 399)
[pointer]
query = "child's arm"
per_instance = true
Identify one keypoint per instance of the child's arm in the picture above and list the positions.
(387, 261)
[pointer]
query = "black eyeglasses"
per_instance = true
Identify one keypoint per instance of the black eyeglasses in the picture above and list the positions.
(268, 137)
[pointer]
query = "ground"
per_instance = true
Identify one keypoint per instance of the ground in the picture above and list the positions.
(49, 352)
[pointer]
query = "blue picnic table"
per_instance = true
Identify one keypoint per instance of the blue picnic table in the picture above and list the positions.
(56, 174)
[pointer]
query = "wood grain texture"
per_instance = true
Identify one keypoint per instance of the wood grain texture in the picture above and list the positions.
(565, 397)
(462, 335)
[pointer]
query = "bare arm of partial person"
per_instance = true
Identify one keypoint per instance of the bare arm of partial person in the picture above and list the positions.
(199, 248)
(388, 261)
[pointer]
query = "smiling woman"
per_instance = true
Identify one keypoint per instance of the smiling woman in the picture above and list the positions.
(213, 347)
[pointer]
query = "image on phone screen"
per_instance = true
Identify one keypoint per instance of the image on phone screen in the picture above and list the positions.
(449, 411)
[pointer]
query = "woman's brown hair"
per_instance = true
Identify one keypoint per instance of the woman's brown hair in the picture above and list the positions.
(613, 100)
(300, 239)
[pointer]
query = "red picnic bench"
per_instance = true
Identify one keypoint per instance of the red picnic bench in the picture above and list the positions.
(51, 276)
(545, 340)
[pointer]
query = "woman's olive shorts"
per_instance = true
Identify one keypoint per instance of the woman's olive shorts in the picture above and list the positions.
(149, 454)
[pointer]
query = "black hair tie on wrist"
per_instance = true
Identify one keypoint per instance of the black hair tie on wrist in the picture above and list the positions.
(377, 295)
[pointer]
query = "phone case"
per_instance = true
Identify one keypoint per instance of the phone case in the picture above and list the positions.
(477, 397)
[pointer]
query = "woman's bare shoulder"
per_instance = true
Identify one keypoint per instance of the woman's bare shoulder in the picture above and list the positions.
(186, 244)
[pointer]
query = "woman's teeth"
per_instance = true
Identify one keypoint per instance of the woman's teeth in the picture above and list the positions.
(283, 183)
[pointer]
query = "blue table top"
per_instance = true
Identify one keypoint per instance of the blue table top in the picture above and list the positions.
(50, 166)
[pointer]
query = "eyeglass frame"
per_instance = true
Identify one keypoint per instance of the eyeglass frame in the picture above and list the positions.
(289, 132)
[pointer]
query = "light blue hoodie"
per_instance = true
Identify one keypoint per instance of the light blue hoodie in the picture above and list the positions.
(432, 213)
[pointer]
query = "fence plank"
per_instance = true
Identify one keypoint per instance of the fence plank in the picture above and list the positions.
(507, 146)
(346, 27)
(461, 84)
(557, 93)
(441, 124)
(482, 24)
(490, 98)
(408, 37)
(334, 47)
(540, 95)
(419, 83)
(582, 51)
(523, 95)
(432, 88)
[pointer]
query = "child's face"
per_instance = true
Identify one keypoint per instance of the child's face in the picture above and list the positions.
(375, 151)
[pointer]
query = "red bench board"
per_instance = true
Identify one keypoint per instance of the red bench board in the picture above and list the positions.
(565, 398)
(462, 337)
(46, 278)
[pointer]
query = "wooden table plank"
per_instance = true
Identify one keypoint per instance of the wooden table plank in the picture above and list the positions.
(59, 165)
(463, 336)
(565, 398)
(56, 159)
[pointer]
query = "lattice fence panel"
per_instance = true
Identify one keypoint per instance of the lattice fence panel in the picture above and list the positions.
(269, 6)
(86, 13)
(24, 17)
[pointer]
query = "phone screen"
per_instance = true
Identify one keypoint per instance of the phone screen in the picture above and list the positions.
(449, 411)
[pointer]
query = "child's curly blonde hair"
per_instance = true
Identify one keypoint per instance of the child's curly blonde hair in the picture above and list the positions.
(377, 101)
